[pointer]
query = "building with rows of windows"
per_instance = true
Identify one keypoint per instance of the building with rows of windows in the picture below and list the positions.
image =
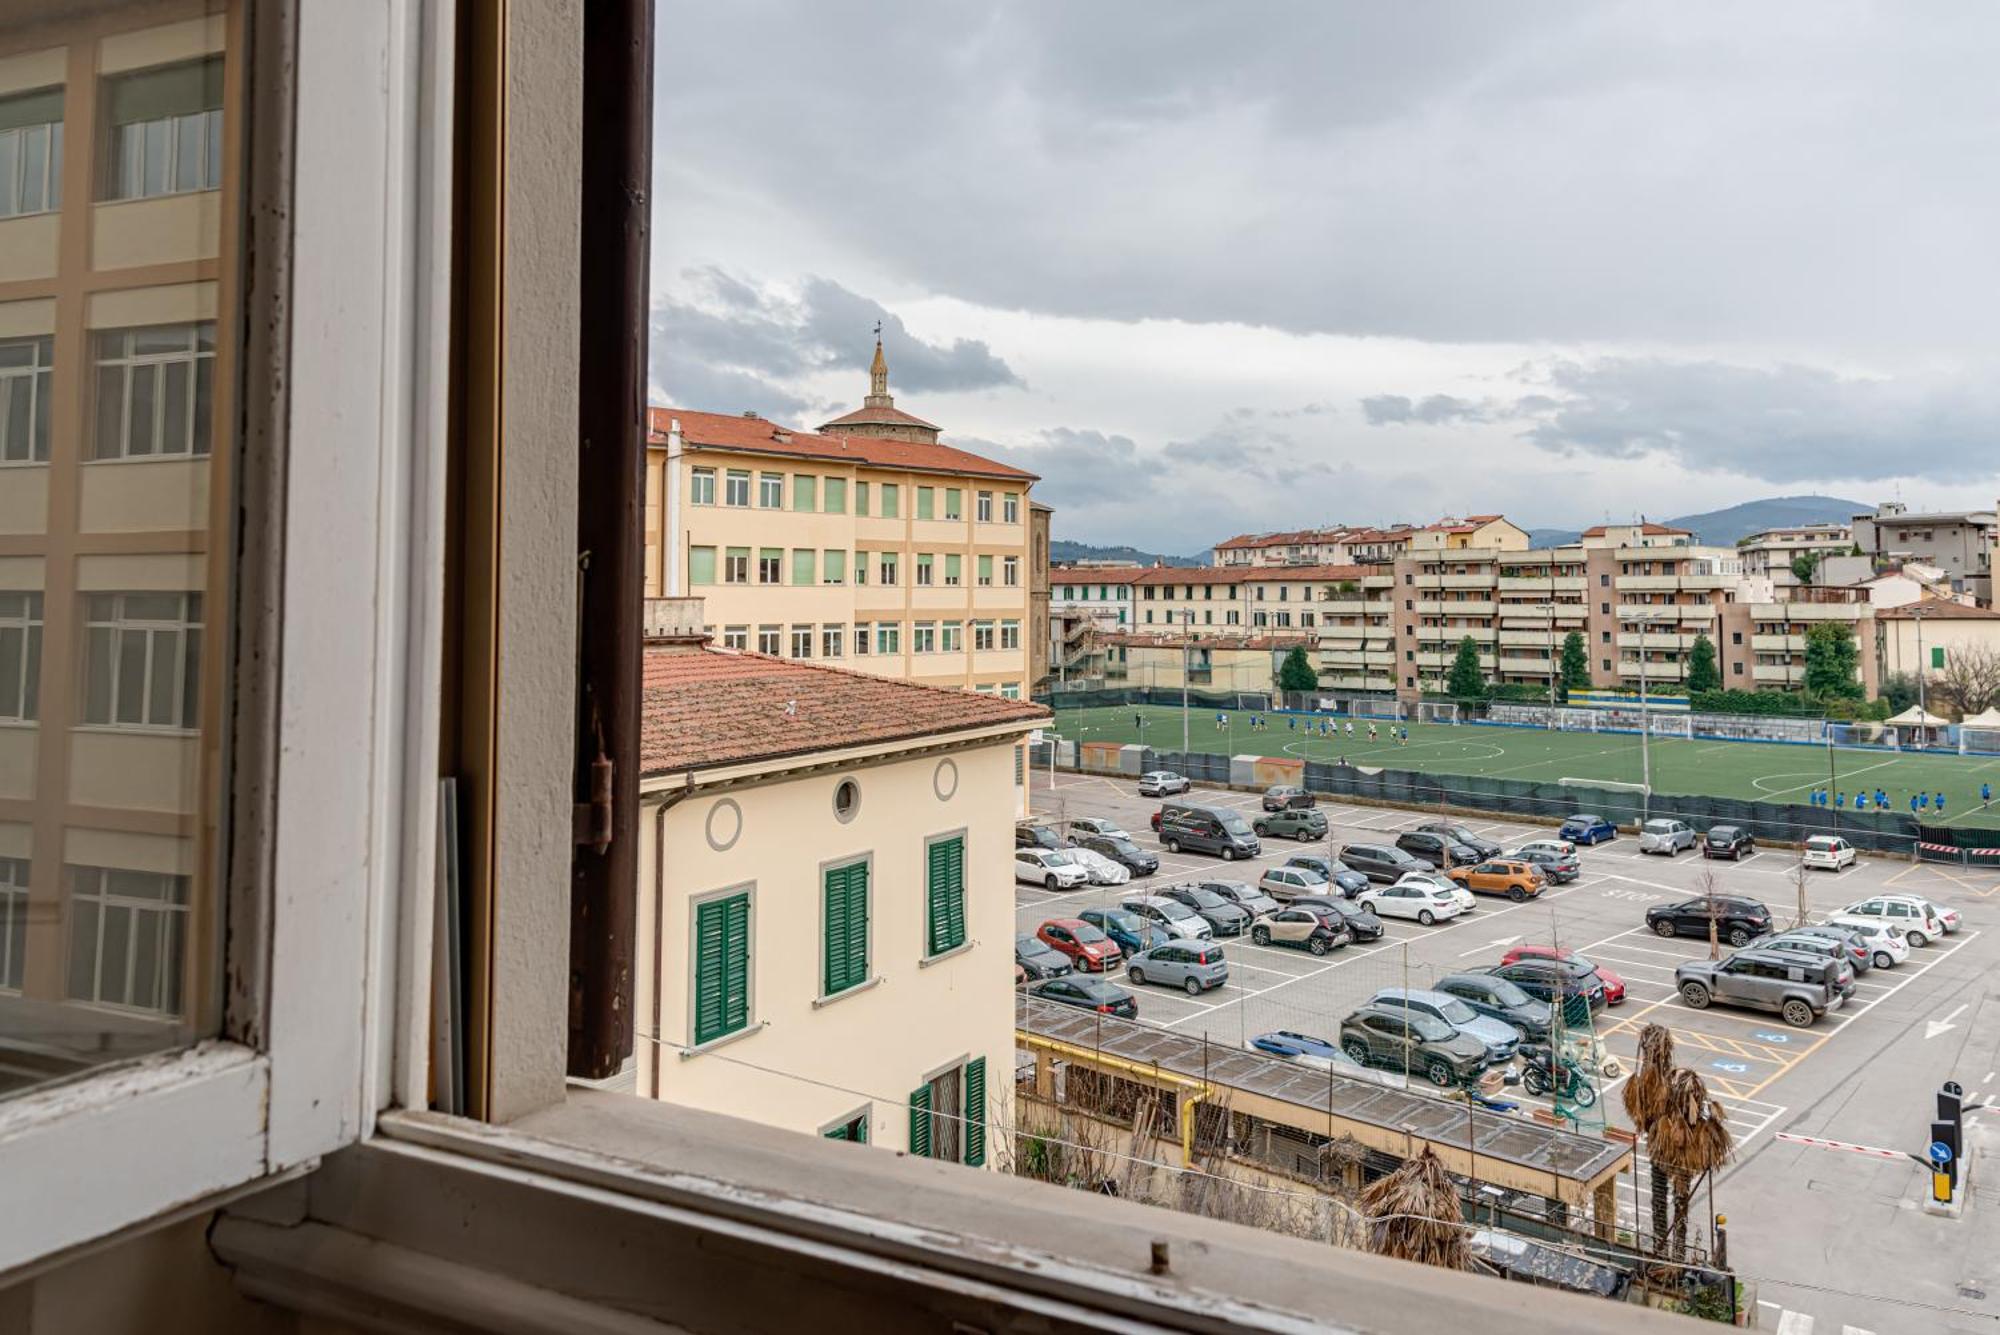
(870, 544)
(117, 206)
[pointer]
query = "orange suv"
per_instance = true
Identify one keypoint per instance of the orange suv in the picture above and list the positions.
(1519, 881)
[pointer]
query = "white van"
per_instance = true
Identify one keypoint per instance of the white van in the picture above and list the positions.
(1828, 851)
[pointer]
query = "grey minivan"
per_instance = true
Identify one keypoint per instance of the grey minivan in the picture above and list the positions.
(1192, 966)
(1216, 830)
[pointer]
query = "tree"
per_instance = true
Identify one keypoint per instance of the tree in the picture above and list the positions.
(1899, 691)
(1831, 659)
(1691, 1137)
(1414, 1214)
(1296, 673)
(1855, 550)
(1575, 663)
(1804, 566)
(1702, 672)
(1466, 681)
(1969, 681)
(1645, 1099)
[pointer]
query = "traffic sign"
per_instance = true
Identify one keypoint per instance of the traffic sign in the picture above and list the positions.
(1940, 1153)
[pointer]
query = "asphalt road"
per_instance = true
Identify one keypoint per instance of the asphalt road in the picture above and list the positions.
(1833, 1240)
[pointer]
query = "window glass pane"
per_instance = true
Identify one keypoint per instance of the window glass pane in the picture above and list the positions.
(130, 670)
(10, 151)
(175, 411)
(141, 417)
(114, 953)
(190, 141)
(154, 138)
(212, 164)
(110, 412)
(82, 948)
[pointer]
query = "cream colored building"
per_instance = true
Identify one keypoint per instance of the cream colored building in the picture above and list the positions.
(898, 556)
(1929, 633)
(827, 944)
(118, 242)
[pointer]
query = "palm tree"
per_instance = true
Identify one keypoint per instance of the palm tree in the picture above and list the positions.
(1691, 1137)
(1414, 1214)
(1645, 1096)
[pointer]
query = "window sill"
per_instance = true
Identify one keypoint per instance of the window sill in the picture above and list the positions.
(133, 730)
(845, 993)
(113, 461)
(943, 955)
(687, 1054)
(24, 463)
(159, 194)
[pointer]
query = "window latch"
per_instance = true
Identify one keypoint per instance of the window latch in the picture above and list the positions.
(591, 820)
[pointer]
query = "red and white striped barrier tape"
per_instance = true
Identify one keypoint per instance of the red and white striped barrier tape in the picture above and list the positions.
(1840, 1145)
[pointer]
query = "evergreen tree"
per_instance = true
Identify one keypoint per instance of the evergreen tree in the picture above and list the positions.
(1702, 672)
(1832, 658)
(1466, 681)
(1296, 673)
(1804, 566)
(1575, 663)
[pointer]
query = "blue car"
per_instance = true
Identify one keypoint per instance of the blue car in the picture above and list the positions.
(1285, 1043)
(1132, 934)
(1587, 829)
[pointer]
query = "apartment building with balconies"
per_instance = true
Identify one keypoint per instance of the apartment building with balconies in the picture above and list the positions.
(1770, 553)
(1959, 542)
(897, 556)
(1761, 645)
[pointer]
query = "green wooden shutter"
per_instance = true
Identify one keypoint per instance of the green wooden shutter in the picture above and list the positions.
(722, 968)
(844, 962)
(804, 487)
(803, 565)
(835, 494)
(951, 568)
(920, 1121)
(925, 500)
(946, 895)
(975, 1112)
(838, 1132)
(701, 565)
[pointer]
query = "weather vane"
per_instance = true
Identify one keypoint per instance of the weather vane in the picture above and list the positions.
(878, 329)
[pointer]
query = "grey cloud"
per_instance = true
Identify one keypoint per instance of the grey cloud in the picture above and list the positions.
(1785, 424)
(726, 336)
(1432, 410)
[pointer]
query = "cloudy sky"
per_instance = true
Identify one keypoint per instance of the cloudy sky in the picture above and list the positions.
(1210, 267)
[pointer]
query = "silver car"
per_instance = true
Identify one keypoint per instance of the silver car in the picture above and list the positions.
(1192, 966)
(1162, 783)
(1170, 916)
(1500, 1038)
(1661, 835)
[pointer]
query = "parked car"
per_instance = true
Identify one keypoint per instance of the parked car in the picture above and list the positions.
(1546, 979)
(1436, 850)
(1100, 869)
(1102, 826)
(1128, 930)
(1519, 881)
(1887, 944)
(1192, 966)
(1727, 841)
(1092, 994)
(1411, 899)
(1501, 1000)
(1662, 835)
(1587, 828)
(1287, 1043)
(1812, 944)
(1037, 959)
(1461, 834)
(1361, 923)
(1052, 869)
(1381, 862)
(1287, 883)
(1614, 986)
(1223, 915)
(1561, 847)
(1282, 796)
(1828, 852)
(1349, 881)
(1440, 881)
(1851, 938)
(1919, 919)
(1171, 916)
(1559, 868)
(1738, 921)
(1500, 1038)
(1028, 834)
(1246, 897)
(1392, 1037)
(1292, 823)
(1135, 860)
(1797, 988)
(1299, 927)
(1217, 830)
(1162, 783)
(1090, 950)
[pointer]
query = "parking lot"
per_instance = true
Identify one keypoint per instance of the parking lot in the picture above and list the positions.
(1862, 1074)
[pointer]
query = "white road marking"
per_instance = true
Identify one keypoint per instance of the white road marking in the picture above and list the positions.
(1932, 1028)
(1794, 1323)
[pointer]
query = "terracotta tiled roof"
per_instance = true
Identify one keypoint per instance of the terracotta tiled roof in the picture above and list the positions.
(1649, 528)
(1168, 575)
(877, 417)
(1938, 609)
(705, 707)
(756, 435)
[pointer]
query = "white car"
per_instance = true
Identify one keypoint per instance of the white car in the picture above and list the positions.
(1829, 851)
(1100, 869)
(1443, 884)
(1102, 826)
(1560, 847)
(1886, 942)
(1170, 916)
(1661, 835)
(1406, 899)
(1050, 868)
(1920, 921)
(1162, 783)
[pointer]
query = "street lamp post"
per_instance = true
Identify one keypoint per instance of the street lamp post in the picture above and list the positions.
(1645, 724)
(1549, 609)
(1187, 632)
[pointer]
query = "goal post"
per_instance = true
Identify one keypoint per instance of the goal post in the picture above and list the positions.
(1393, 709)
(1253, 702)
(1671, 725)
(1577, 720)
(1976, 741)
(1435, 711)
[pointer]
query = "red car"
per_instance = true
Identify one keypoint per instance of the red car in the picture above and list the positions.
(1092, 950)
(1614, 986)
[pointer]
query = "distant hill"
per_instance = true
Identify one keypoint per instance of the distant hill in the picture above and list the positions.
(1062, 550)
(1552, 537)
(1721, 528)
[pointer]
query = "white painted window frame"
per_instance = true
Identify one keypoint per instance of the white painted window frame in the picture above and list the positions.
(351, 817)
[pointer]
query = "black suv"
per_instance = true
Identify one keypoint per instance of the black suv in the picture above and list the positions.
(1281, 796)
(1437, 851)
(1485, 848)
(1738, 921)
(1225, 917)
(1121, 851)
(1543, 979)
(1405, 1040)
(1029, 835)
(1501, 1000)
(1361, 923)
(1381, 862)
(1726, 841)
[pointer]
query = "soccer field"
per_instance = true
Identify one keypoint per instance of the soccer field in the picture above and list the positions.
(1761, 771)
